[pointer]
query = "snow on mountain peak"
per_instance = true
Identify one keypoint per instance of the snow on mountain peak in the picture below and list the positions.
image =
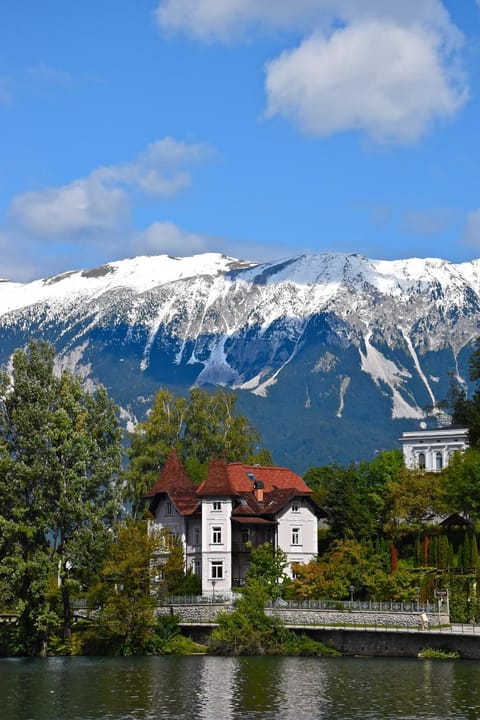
(294, 286)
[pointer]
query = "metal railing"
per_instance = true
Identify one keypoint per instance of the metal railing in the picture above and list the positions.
(360, 605)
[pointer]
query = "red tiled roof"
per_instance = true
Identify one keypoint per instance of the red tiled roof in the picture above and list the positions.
(174, 482)
(237, 478)
(217, 482)
(279, 486)
(173, 479)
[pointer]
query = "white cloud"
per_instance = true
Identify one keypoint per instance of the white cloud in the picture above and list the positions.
(225, 20)
(101, 201)
(158, 170)
(427, 223)
(386, 67)
(49, 74)
(81, 205)
(166, 238)
(382, 78)
(471, 235)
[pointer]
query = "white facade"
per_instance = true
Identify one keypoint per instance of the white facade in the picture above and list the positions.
(237, 508)
(432, 450)
(297, 532)
(217, 547)
(216, 562)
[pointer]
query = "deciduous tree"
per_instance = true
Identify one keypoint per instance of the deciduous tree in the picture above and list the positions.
(60, 452)
(200, 428)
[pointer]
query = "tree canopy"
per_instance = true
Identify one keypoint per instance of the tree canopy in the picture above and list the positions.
(200, 427)
(60, 452)
(465, 410)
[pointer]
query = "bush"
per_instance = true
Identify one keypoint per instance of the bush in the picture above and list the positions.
(434, 654)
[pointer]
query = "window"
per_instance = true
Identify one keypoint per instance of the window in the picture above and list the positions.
(438, 461)
(196, 568)
(216, 569)
(295, 507)
(169, 510)
(216, 535)
(296, 536)
(217, 505)
(196, 540)
(421, 461)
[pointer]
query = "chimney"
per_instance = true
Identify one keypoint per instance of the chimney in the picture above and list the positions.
(258, 490)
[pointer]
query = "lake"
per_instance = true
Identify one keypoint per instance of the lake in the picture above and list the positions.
(211, 688)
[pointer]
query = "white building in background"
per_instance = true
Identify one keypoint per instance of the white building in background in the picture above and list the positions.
(236, 508)
(431, 450)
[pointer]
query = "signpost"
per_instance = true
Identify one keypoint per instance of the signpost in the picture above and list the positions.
(441, 594)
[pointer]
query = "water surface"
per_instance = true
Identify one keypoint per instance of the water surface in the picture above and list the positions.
(210, 688)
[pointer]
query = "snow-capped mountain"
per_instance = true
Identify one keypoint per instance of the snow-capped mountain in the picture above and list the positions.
(331, 355)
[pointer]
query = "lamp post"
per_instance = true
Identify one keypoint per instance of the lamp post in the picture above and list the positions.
(213, 590)
(352, 590)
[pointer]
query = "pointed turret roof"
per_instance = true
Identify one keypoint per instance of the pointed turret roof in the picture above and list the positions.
(174, 482)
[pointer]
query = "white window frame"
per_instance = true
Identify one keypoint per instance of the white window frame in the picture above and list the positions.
(169, 508)
(217, 535)
(295, 507)
(217, 505)
(438, 461)
(197, 537)
(296, 538)
(216, 570)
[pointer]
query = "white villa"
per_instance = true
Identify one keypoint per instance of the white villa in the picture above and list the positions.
(238, 506)
(431, 450)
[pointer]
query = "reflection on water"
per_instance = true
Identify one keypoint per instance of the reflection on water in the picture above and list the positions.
(209, 688)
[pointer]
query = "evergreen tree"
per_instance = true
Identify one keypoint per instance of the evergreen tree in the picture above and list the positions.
(466, 411)
(474, 552)
(433, 552)
(467, 552)
(442, 552)
(450, 556)
(60, 451)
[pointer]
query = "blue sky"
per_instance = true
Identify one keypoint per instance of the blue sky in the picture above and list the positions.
(257, 128)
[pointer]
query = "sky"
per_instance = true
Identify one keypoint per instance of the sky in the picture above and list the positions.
(261, 129)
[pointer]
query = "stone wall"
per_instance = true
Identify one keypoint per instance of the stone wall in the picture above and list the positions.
(206, 614)
(389, 643)
(359, 632)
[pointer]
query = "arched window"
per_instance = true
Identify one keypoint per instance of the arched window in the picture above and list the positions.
(438, 461)
(421, 461)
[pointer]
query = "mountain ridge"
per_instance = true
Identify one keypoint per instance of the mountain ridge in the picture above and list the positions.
(325, 334)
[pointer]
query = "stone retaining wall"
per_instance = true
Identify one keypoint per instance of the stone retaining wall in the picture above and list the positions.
(207, 614)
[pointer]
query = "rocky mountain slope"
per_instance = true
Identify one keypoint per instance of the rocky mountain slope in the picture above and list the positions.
(332, 356)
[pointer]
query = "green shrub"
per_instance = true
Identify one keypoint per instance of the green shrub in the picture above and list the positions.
(434, 654)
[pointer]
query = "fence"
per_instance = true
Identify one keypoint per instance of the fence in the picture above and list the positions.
(338, 605)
